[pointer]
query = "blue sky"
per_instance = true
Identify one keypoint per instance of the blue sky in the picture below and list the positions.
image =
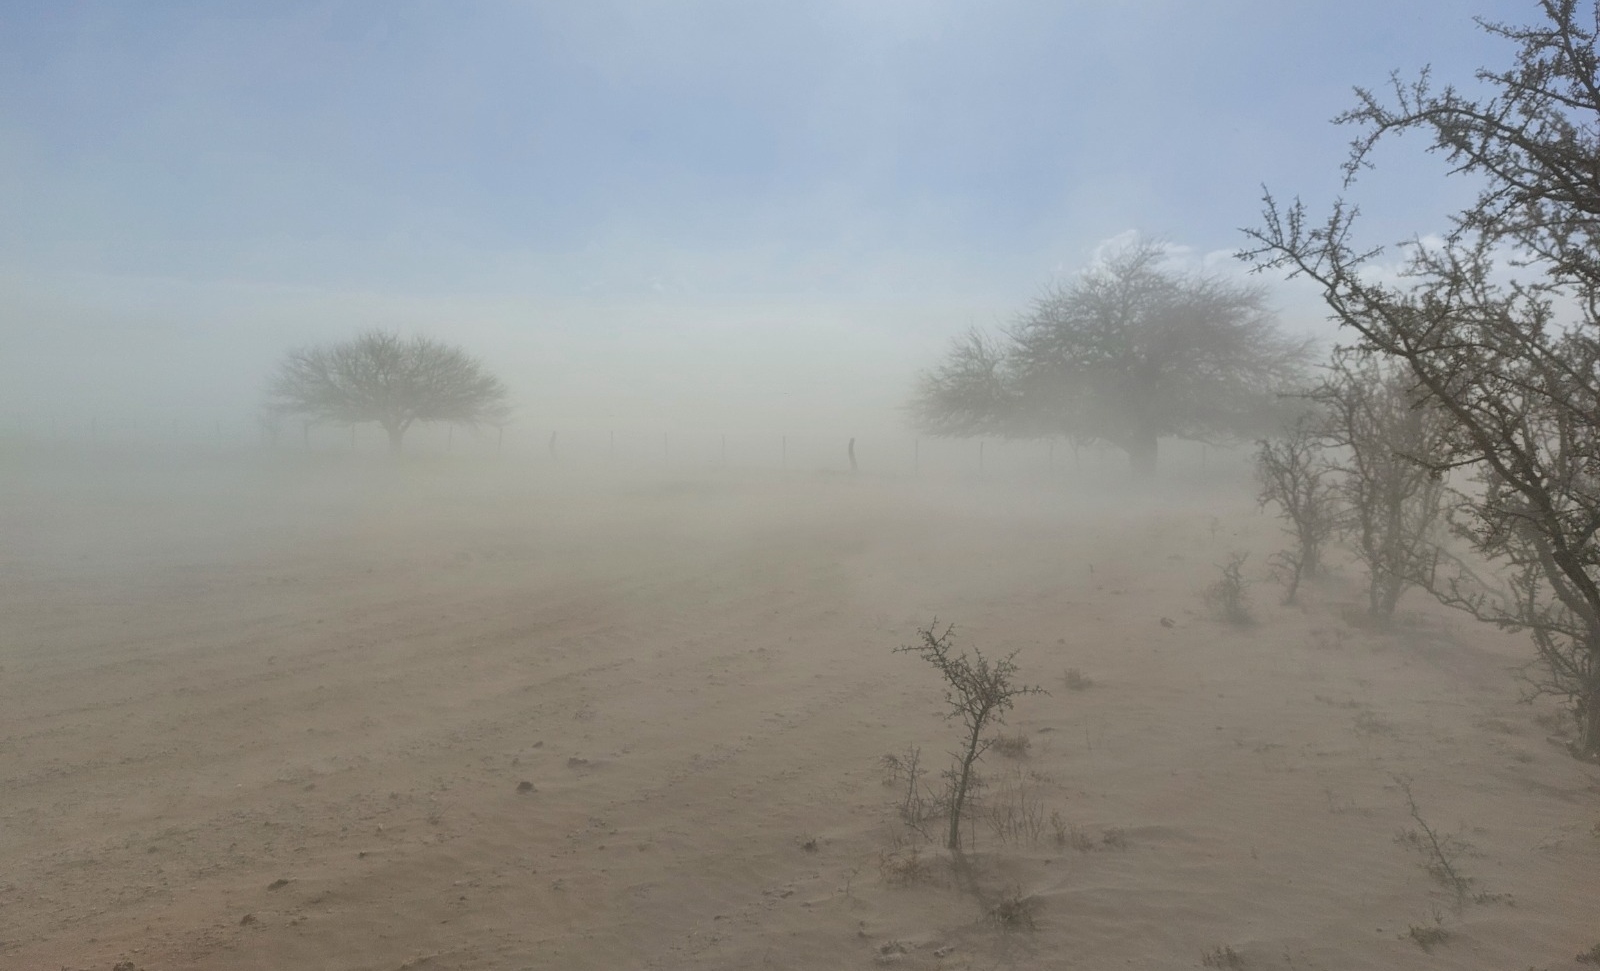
(580, 189)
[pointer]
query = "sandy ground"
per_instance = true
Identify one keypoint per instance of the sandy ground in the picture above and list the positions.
(354, 717)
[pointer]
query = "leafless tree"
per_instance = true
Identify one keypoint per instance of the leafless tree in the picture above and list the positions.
(384, 378)
(1389, 444)
(1128, 352)
(1295, 475)
(1499, 325)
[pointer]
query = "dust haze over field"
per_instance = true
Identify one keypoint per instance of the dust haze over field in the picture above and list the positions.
(613, 682)
(267, 713)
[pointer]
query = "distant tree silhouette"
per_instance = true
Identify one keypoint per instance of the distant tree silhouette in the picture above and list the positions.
(384, 378)
(1127, 353)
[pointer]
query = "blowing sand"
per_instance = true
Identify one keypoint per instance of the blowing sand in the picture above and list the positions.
(367, 718)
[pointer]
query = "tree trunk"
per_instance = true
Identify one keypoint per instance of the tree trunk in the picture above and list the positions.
(1391, 589)
(397, 434)
(958, 798)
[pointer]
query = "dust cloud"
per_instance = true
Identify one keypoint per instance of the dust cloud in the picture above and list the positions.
(613, 683)
(570, 711)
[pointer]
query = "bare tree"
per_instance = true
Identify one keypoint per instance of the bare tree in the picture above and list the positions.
(384, 378)
(1391, 450)
(1295, 475)
(1128, 352)
(1499, 325)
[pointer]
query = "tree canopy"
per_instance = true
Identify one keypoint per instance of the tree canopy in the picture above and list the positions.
(384, 378)
(1127, 353)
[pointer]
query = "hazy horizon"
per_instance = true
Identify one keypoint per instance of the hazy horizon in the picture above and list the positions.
(643, 216)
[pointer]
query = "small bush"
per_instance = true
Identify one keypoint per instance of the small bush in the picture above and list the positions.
(1295, 476)
(906, 867)
(1227, 597)
(1438, 851)
(1428, 937)
(1012, 746)
(1222, 956)
(1014, 911)
(917, 806)
(1014, 814)
(1076, 680)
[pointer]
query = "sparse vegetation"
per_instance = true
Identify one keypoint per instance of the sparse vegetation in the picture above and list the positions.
(1391, 442)
(906, 867)
(917, 806)
(1222, 956)
(1428, 936)
(978, 691)
(1439, 851)
(1228, 597)
(1079, 839)
(1369, 722)
(1295, 475)
(1014, 745)
(1495, 326)
(1014, 812)
(1059, 830)
(1014, 911)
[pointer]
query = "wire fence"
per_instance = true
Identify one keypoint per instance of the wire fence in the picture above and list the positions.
(630, 448)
